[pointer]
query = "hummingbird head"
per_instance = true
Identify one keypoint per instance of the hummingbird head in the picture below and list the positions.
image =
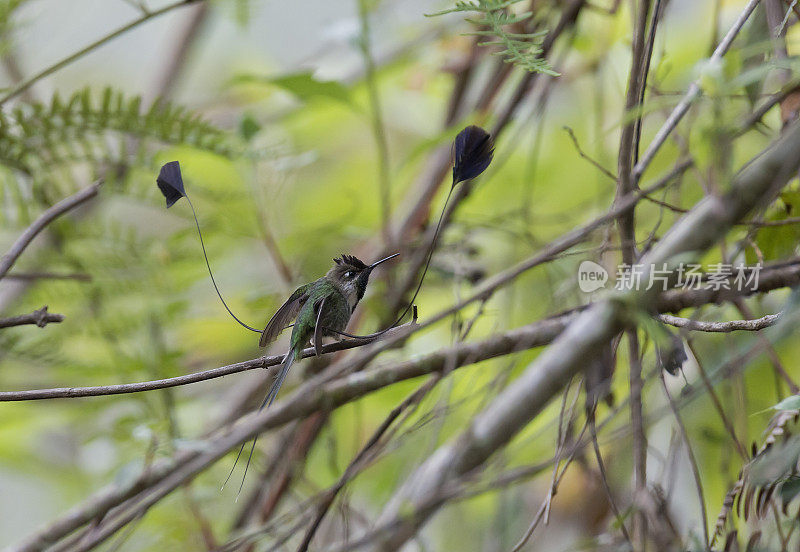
(352, 276)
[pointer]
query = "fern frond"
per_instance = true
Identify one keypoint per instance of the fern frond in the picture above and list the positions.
(754, 494)
(76, 128)
(522, 49)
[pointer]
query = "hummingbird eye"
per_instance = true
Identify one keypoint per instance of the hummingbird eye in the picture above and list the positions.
(349, 274)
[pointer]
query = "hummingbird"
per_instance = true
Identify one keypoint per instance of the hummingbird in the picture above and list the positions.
(321, 308)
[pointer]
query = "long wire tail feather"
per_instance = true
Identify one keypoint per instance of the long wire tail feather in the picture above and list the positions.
(430, 256)
(273, 392)
(230, 473)
(419, 285)
(208, 265)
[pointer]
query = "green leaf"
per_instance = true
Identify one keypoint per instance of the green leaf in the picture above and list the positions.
(789, 403)
(790, 489)
(777, 242)
(303, 86)
(248, 127)
(776, 463)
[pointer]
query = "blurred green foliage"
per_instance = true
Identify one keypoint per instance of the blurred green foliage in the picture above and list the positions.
(292, 158)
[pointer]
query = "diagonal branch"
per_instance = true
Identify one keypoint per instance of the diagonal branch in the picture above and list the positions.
(313, 396)
(318, 394)
(522, 401)
(785, 274)
(40, 223)
(691, 95)
(146, 16)
(118, 389)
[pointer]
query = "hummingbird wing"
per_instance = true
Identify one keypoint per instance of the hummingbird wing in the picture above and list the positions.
(284, 315)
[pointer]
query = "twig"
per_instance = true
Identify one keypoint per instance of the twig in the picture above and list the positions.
(30, 81)
(777, 365)
(544, 510)
(717, 404)
(628, 144)
(532, 391)
(721, 327)
(378, 125)
(691, 95)
(626, 183)
(765, 223)
(29, 276)
(648, 55)
(639, 437)
(118, 389)
(604, 476)
(40, 223)
(314, 395)
(690, 454)
(671, 301)
(39, 317)
(358, 460)
(584, 155)
(183, 45)
(11, 64)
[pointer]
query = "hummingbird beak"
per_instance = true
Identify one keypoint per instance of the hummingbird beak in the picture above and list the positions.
(376, 263)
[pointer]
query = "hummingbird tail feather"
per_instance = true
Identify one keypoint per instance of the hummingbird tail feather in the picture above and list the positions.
(210, 273)
(273, 392)
(288, 360)
(230, 473)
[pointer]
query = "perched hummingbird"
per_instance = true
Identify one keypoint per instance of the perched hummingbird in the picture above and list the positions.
(323, 307)
(320, 308)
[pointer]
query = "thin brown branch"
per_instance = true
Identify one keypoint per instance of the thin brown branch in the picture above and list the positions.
(14, 71)
(690, 454)
(313, 396)
(176, 63)
(377, 121)
(639, 438)
(532, 391)
(626, 183)
(118, 389)
(777, 365)
(692, 94)
(40, 223)
(359, 460)
(39, 317)
(146, 16)
(558, 474)
(604, 477)
(721, 327)
(780, 276)
(586, 156)
(30, 276)
(740, 448)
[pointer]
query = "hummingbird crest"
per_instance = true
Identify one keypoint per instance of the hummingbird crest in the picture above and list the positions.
(351, 260)
(351, 275)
